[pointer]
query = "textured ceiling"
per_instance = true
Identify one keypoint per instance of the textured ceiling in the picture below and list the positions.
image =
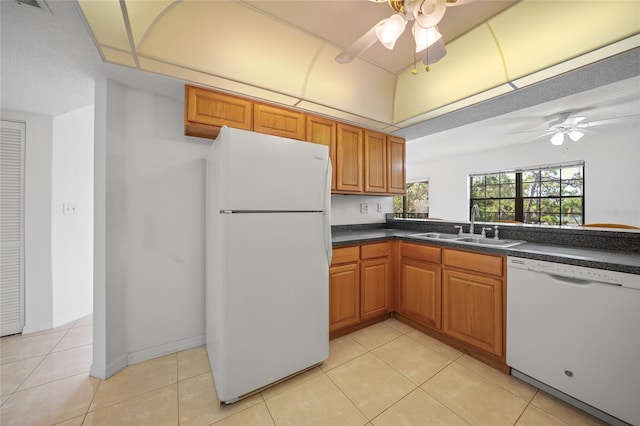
(49, 63)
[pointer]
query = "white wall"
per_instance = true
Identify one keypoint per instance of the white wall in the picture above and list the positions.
(612, 174)
(149, 253)
(345, 209)
(72, 235)
(37, 204)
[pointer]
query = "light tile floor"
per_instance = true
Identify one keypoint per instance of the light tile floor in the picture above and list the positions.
(386, 374)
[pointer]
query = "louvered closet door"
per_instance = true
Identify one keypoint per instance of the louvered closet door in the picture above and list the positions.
(11, 227)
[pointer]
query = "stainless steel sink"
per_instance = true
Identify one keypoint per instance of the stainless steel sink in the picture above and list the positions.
(436, 236)
(457, 238)
(481, 241)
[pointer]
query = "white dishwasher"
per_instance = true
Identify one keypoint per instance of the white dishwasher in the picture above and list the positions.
(576, 330)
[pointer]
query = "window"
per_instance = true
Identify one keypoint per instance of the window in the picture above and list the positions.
(550, 195)
(415, 204)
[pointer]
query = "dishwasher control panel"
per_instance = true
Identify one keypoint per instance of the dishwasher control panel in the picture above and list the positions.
(576, 272)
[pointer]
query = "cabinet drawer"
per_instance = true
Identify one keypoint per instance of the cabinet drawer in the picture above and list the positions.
(369, 251)
(345, 255)
(420, 252)
(475, 262)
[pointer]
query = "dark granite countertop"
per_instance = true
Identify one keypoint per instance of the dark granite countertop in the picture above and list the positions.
(613, 260)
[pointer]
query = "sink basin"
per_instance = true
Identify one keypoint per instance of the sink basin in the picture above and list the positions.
(489, 241)
(436, 236)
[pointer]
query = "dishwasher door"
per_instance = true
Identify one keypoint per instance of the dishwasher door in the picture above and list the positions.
(580, 336)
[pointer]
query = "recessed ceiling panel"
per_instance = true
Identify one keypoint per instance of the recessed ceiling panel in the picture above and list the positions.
(106, 23)
(216, 83)
(534, 35)
(232, 41)
(472, 65)
(357, 87)
(142, 15)
(118, 57)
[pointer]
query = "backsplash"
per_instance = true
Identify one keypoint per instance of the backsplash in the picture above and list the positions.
(345, 209)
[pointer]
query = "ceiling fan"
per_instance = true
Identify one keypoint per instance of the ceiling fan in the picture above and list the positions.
(570, 127)
(426, 15)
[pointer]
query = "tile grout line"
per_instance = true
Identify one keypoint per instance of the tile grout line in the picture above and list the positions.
(347, 396)
(51, 381)
(17, 388)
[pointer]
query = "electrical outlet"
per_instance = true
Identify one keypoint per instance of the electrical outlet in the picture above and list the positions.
(379, 207)
(364, 208)
(69, 208)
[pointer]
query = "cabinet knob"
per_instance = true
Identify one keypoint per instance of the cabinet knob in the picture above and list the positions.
(568, 373)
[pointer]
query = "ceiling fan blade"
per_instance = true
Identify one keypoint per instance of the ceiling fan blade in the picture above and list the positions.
(433, 53)
(528, 131)
(613, 120)
(572, 121)
(545, 134)
(359, 46)
(451, 3)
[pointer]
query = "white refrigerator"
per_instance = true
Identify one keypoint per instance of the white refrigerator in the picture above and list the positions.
(268, 250)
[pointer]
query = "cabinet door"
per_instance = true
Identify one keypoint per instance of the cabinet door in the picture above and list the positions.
(396, 172)
(207, 108)
(374, 287)
(375, 162)
(472, 310)
(323, 131)
(344, 295)
(349, 161)
(420, 291)
(278, 122)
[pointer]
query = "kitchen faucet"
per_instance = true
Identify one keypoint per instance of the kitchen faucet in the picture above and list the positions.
(475, 211)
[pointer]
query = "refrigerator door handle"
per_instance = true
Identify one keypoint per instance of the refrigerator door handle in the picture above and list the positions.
(327, 214)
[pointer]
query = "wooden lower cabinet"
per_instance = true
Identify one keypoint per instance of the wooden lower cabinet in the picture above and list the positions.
(344, 296)
(359, 285)
(344, 288)
(456, 296)
(420, 291)
(472, 309)
(374, 287)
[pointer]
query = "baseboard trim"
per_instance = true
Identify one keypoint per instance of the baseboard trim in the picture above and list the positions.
(103, 372)
(167, 348)
(35, 328)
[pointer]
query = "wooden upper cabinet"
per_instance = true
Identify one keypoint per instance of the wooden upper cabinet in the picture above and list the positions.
(349, 158)
(396, 171)
(375, 162)
(323, 131)
(278, 122)
(207, 111)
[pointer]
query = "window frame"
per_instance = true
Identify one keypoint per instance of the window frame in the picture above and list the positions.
(519, 199)
(404, 214)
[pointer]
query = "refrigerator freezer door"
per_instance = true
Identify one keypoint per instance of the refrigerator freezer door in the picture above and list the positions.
(263, 172)
(267, 300)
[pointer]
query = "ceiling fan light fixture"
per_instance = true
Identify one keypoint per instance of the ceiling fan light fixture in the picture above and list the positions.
(390, 30)
(428, 13)
(425, 37)
(575, 135)
(558, 138)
